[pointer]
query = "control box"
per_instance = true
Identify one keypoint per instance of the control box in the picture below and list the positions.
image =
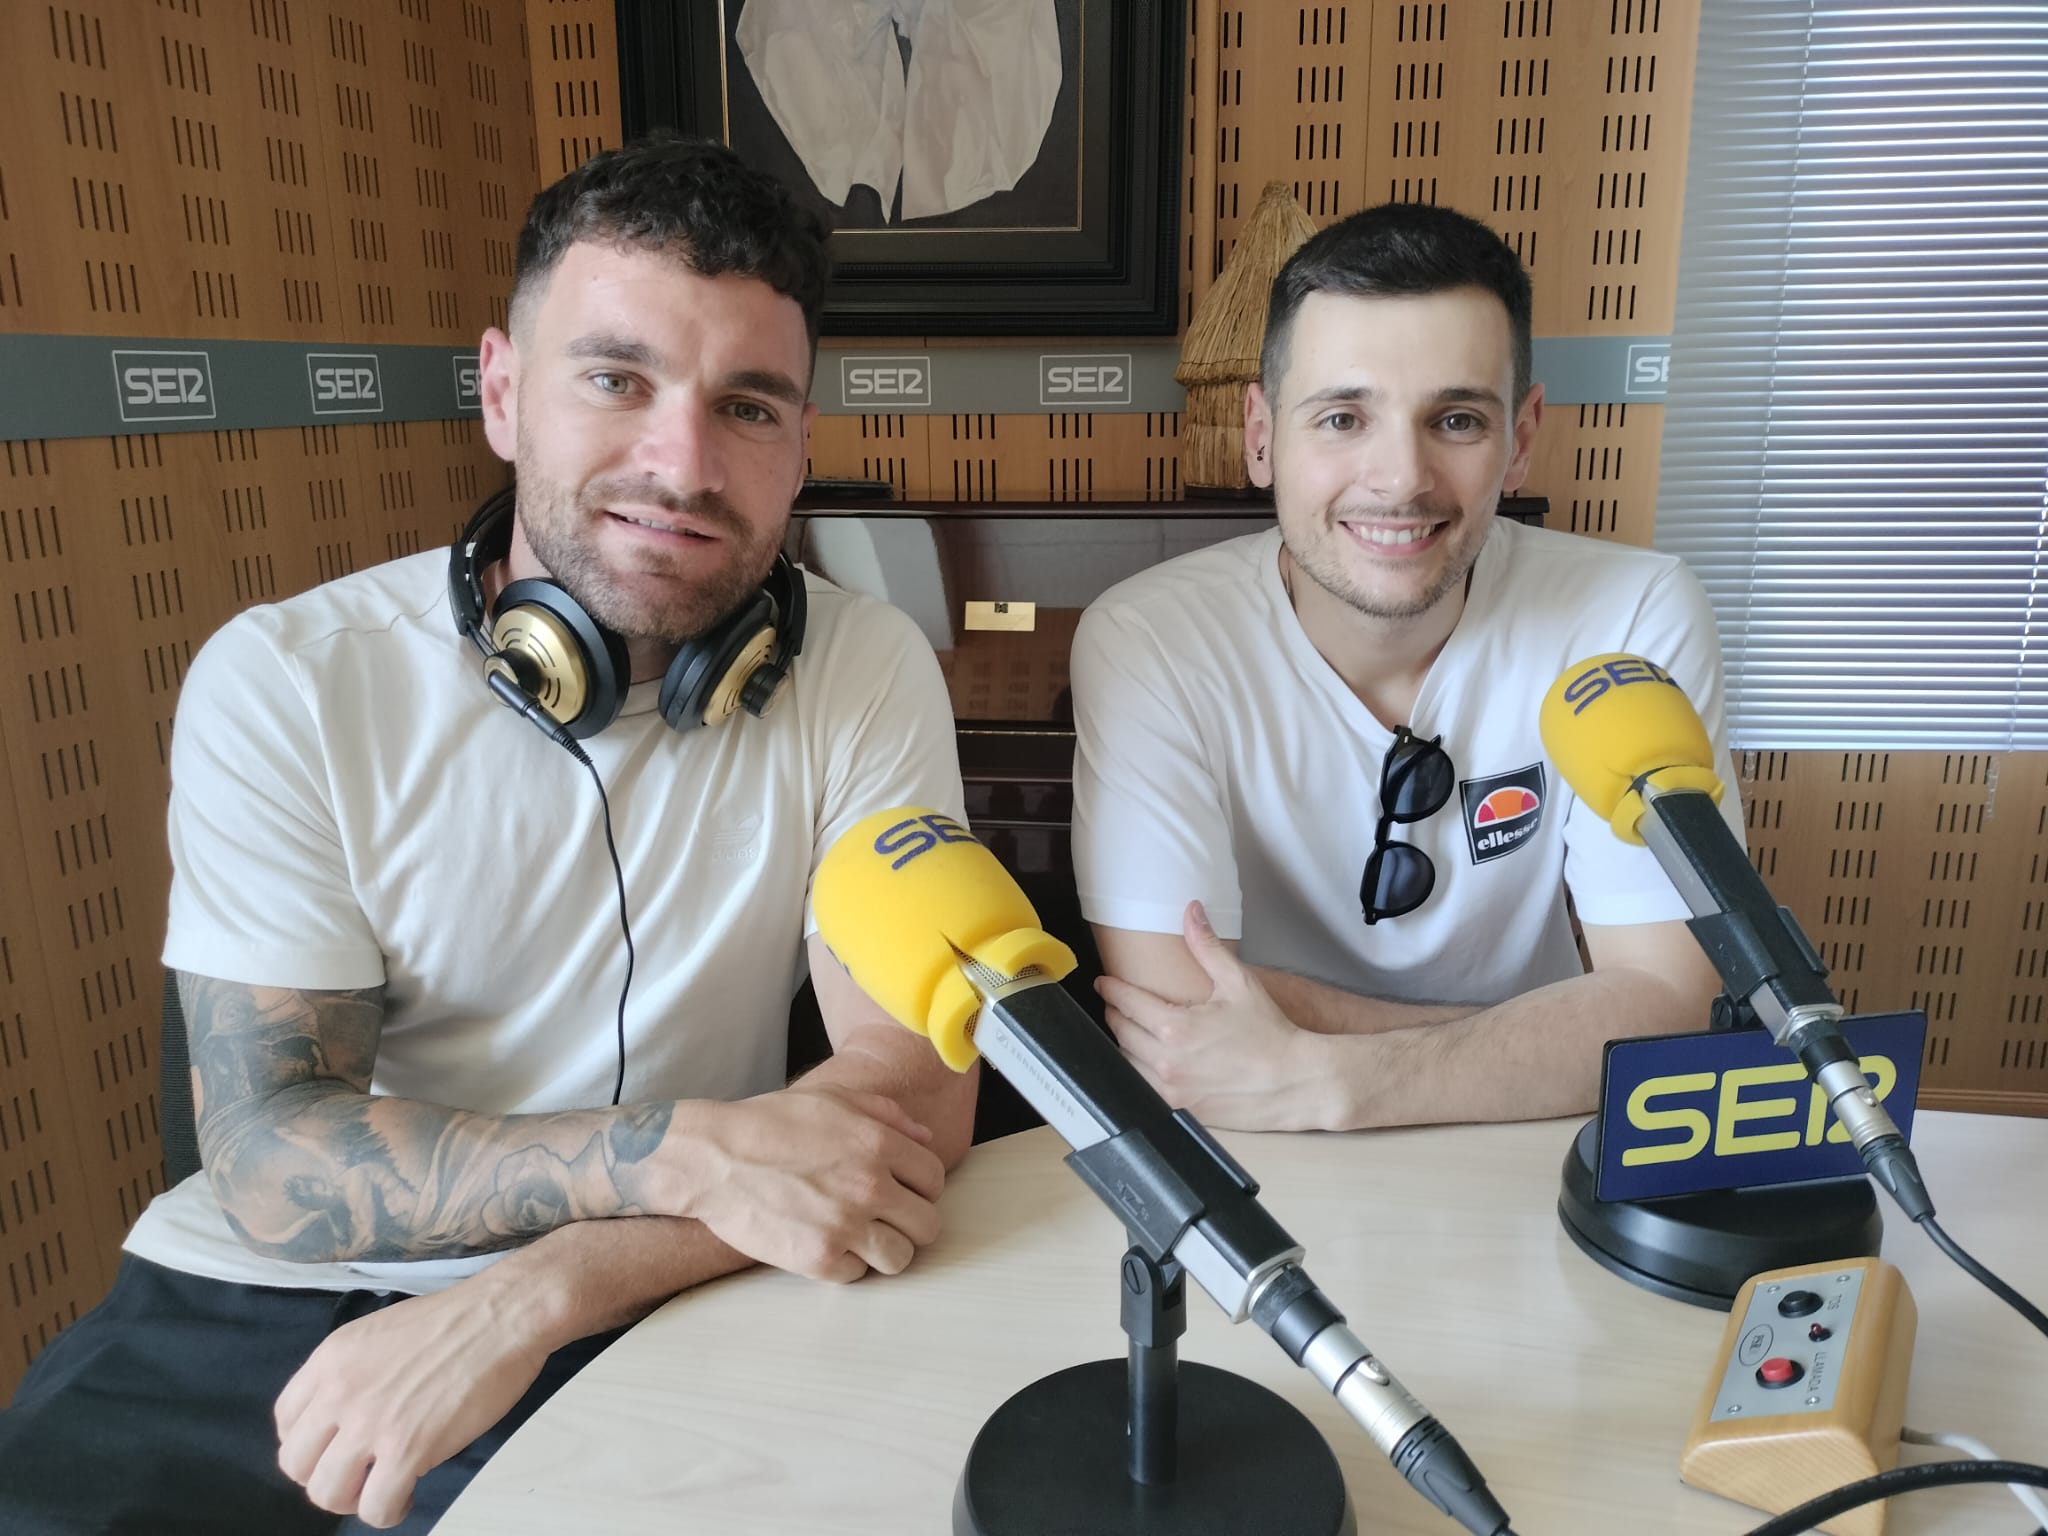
(1808, 1391)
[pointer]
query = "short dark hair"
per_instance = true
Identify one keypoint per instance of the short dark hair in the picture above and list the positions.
(688, 198)
(1394, 250)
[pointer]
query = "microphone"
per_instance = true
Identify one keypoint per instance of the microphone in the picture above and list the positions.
(934, 929)
(1629, 743)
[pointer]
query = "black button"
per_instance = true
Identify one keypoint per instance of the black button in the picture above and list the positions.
(1798, 1303)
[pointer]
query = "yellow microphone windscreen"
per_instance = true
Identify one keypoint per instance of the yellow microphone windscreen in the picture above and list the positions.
(902, 896)
(1609, 720)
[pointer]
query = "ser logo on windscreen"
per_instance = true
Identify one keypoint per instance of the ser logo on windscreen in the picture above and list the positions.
(918, 835)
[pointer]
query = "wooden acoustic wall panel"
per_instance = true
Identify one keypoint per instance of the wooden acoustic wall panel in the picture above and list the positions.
(278, 169)
(376, 82)
(573, 47)
(1921, 879)
(55, 1263)
(72, 150)
(894, 446)
(273, 169)
(1598, 466)
(118, 557)
(1197, 156)
(1561, 124)
(1290, 96)
(1076, 456)
(1055, 457)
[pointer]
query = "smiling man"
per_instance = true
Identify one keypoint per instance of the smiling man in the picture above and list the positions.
(1325, 860)
(426, 1108)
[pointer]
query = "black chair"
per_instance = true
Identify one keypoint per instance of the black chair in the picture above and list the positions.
(177, 1127)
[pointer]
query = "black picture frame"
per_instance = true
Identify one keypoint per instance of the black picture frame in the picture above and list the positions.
(1110, 268)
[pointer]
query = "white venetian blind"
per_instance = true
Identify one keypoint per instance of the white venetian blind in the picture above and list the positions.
(1856, 440)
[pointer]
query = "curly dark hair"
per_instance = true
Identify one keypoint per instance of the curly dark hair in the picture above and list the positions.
(689, 198)
(1395, 250)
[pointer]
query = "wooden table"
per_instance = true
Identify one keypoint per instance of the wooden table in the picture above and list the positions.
(768, 1404)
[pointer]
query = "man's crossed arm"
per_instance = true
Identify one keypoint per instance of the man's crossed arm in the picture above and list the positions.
(1253, 1049)
(836, 1175)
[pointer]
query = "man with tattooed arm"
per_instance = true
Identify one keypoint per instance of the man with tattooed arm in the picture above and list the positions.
(426, 1201)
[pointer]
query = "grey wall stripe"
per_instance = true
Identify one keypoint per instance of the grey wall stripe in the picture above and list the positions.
(96, 386)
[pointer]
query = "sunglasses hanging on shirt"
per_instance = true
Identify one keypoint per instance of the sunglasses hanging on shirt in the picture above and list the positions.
(1415, 780)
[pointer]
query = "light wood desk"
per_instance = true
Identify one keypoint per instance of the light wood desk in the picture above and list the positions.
(763, 1404)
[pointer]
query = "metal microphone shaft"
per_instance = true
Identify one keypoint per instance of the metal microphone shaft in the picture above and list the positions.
(1763, 956)
(1185, 1199)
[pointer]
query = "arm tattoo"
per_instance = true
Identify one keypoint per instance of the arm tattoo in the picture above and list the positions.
(309, 1165)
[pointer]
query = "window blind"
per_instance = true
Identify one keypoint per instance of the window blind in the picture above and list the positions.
(1855, 454)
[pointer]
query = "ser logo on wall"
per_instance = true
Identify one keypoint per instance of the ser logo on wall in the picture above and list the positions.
(164, 386)
(469, 391)
(1072, 380)
(1649, 370)
(885, 383)
(345, 383)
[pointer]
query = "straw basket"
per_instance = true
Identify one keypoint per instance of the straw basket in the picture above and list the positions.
(1221, 354)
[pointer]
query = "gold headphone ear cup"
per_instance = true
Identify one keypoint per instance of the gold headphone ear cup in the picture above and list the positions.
(575, 668)
(541, 654)
(732, 689)
(703, 684)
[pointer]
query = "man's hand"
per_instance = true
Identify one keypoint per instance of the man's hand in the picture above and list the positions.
(391, 1396)
(823, 1181)
(1233, 1057)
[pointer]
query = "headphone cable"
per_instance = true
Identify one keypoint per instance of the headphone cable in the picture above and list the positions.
(529, 708)
(575, 750)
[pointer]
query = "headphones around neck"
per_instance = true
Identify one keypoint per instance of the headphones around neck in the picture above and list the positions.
(542, 649)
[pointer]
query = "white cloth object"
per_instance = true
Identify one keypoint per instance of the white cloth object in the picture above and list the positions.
(350, 806)
(963, 122)
(1220, 757)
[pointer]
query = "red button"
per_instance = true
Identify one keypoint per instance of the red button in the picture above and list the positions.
(1777, 1371)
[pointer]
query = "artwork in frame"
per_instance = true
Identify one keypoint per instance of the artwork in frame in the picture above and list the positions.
(987, 167)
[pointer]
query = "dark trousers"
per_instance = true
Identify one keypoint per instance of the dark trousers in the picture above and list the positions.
(151, 1414)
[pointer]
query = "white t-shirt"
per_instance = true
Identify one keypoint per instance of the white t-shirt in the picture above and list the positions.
(350, 806)
(1220, 756)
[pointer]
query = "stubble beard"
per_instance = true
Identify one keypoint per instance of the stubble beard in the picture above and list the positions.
(1323, 563)
(657, 600)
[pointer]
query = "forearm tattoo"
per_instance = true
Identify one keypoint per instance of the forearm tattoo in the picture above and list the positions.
(309, 1165)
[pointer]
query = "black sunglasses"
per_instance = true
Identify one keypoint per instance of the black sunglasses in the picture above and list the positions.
(1415, 781)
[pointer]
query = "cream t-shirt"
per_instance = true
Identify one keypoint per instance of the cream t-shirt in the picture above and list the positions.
(350, 806)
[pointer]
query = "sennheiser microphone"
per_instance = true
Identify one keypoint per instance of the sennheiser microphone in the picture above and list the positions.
(1629, 743)
(933, 928)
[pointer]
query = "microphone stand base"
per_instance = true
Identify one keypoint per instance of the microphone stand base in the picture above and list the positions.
(1052, 1462)
(1701, 1248)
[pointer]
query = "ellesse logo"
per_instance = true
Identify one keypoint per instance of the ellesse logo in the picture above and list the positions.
(1503, 811)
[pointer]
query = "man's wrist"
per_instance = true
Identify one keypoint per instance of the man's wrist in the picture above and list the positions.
(671, 1179)
(1339, 1068)
(529, 1296)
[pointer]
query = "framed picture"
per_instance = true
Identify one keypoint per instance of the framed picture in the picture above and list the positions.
(987, 167)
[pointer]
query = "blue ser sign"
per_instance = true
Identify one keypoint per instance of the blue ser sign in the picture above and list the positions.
(1684, 1113)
